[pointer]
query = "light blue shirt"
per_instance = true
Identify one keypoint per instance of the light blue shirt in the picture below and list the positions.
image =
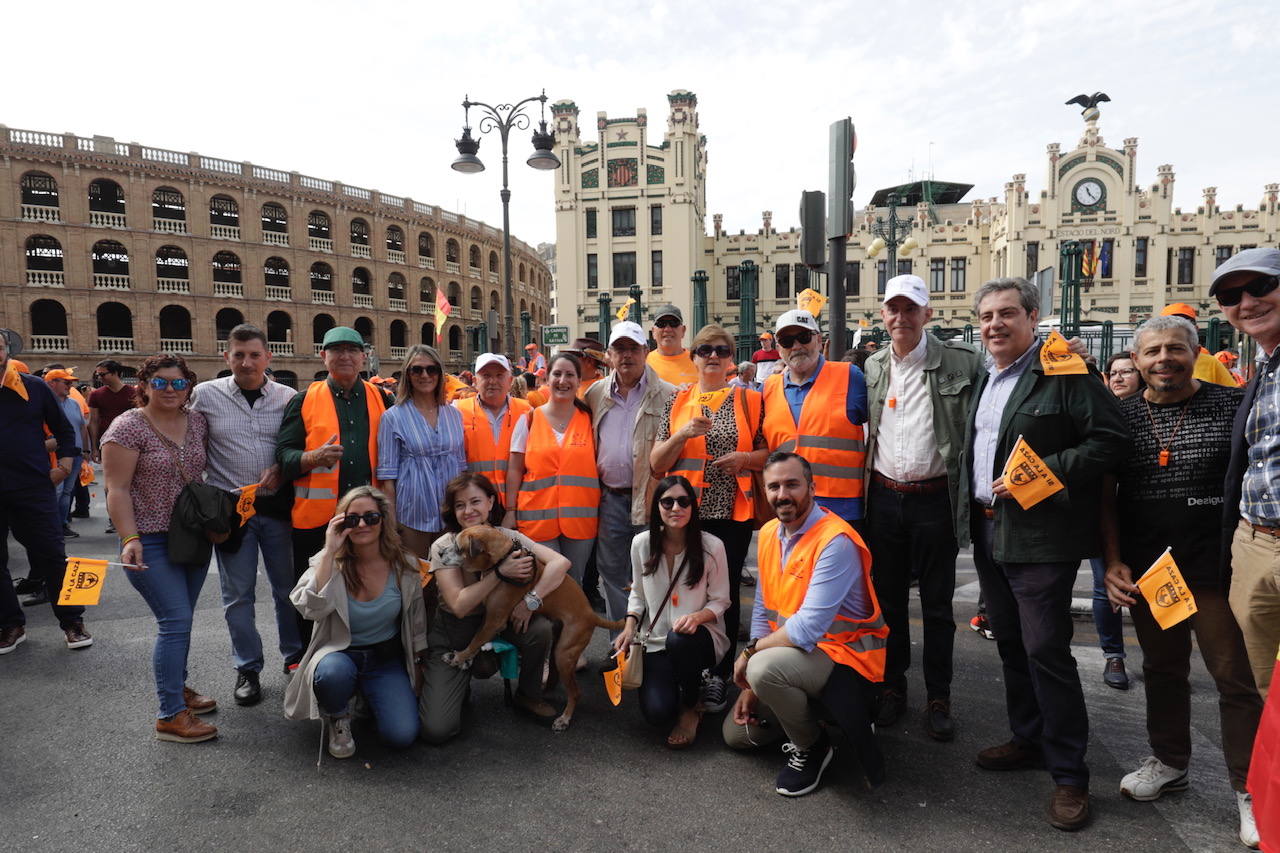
(421, 459)
(378, 620)
(986, 425)
(74, 414)
(855, 407)
(836, 588)
(617, 429)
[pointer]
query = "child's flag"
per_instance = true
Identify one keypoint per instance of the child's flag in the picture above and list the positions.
(244, 506)
(82, 584)
(1166, 592)
(613, 678)
(1026, 476)
(1057, 359)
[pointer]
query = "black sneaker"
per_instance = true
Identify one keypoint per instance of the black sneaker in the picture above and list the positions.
(892, 704)
(27, 586)
(36, 598)
(248, 691)
(68, 533)
(713, 693)
(803, 772)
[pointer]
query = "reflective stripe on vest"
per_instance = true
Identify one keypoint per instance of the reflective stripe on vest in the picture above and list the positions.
(560, 492)
(315, 493)
(693, 464)
(834, 448)
(484, 455)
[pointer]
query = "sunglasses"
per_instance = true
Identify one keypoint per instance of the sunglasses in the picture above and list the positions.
(683, 500)
(176, 384)
(707, 350)
(666, 322)
(802, 337)
(419, 369)
(370, 518)
(1257, 288)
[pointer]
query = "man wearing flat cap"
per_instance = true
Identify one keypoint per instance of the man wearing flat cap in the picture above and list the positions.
(671, 361)
(591, 351)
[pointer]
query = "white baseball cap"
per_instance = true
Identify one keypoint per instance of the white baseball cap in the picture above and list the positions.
(910, 286)
(630, 331)
(489, 358)
(796, 317)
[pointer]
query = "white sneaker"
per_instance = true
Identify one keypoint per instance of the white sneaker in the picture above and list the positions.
(1248, 829)
(341, 743)
(1152, 779)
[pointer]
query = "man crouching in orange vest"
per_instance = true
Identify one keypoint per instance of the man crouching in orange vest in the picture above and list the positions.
(816, 634)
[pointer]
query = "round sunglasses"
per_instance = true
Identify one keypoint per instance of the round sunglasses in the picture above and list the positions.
(683, 500)
(176, 384)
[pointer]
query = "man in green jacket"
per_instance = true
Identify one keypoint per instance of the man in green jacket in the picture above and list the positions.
(1027, 558)
(918, 392)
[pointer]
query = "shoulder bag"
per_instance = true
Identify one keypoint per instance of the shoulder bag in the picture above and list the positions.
(634, 674)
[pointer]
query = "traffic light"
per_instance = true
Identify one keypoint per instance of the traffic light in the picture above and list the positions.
(813, 239)
(842, 179)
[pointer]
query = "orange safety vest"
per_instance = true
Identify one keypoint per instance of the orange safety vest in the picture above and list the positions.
(316, 492)
(560, 494)
(833, 447)
(484, 456)
(693, 460)
(860, 644)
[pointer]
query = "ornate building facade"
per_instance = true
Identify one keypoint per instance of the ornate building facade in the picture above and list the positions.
(119, 250)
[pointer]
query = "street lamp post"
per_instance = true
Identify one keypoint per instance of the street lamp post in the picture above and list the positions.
(503, 118)
(748, 274)
(893, 234)
(605, 300)
(699, 299)
(526, 329)
(637, 310)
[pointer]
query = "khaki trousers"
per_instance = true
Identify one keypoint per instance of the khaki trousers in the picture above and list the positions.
(784, 679)
(1255, 598)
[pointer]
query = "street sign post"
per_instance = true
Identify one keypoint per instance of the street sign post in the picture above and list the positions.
(555, 335)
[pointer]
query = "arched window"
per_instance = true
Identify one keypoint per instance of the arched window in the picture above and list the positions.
(477, 301)
(521, 278)
(115, 328)
(523, 307)
(455, 294)
(452, 251)
(275, 272)
(321, 277)
(110, 258)
(474, 257)
(175, 329)
(455, 337)
(493, 262)
(226, 268)
(319, 225)
(320, 324)
(39, 190)
(275, 219)
(429, 334)
(427, 291)
(168, 210)
(359, 232)
(285, 377)
(44, 253)
(399, 334)
(364, 326)
(226, 320)
(279, 329)
(395, 286)
(426, 245)
(395, 239)
(48, 318)
(172, 266)
(105, 196)
(224, 217)
(360, 281)
(493, 301)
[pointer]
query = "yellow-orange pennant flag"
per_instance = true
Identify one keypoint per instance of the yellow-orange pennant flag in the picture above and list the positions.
(621, 313)
(713, 400)
(1166, 592)
(1057, 359)
(424, 569)
(82, 584)
(1026, 476)
(613, 679)
(244, 506)
(810, 300)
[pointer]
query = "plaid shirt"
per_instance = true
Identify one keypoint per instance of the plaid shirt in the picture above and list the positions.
(242, 438)
(1260, 499)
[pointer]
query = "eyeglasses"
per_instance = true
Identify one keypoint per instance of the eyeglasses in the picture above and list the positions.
(176, 384)
(802, 337)
(683, 500)
(707, 350)
(429, 369)
(1257, 288)
(666, 322)
(1123, 372)
(370, 518)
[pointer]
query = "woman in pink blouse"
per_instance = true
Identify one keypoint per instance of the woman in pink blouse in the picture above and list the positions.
(149, 454)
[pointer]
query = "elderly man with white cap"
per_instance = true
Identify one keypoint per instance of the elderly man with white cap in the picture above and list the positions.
(627, 410)
(918, 391)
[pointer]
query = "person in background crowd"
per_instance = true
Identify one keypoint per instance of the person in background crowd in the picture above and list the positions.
(519, 389)
(149, 454)
(489, 418)
(670, 360)
(712, 435)
(364, 593)
(626, 414)
(856, 357)
(1027, 559)
(1169, 487)
(1246, 290)
(679, 593)
(1208, 368)
(532, 360)
(28, 498)
(420, 449)
(767, 359)
(328, 445)
(919, 391)
(244, 412)
(537, 394)
(590, 353)
(1229, 360)
(746, 377)
(60, 382)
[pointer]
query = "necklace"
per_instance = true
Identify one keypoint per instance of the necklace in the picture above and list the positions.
(1163, 456)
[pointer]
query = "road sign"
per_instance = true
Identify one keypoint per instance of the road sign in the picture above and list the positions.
(552, 335)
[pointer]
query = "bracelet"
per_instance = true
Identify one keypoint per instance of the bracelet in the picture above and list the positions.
(126, 540)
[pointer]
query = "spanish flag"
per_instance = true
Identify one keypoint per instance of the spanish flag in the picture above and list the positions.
(1264, 769)
(442, 309)
(1027, 478)
(1166, 592)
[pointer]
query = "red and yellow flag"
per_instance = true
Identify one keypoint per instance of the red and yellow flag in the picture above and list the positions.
(1166, 592)
(1026, 476)
(1089, 260)
(613, 678)
(82, 584)
(442, 309)
(244, 506)
(1057, 359)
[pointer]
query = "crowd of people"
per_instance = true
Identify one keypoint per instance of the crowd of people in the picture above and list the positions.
(645, 474)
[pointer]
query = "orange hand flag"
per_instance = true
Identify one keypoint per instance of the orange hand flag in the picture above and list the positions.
(244, 505)
(1027, 478)
(424, 569)
(82, 583)
(613, 679)
(1166, 592)
(1057, 359)
(810, 300)
(712, 400)
(86, 474)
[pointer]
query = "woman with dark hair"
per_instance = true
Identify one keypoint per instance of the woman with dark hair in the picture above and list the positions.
(364, 594)
(679, 593)
(1122, 376)
(149, 454)
(471, 499)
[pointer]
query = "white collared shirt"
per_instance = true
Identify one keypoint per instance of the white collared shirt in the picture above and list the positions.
(906, 447)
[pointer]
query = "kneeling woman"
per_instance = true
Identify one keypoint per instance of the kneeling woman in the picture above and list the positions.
(471, 499)
(364, 593)
(680, 590)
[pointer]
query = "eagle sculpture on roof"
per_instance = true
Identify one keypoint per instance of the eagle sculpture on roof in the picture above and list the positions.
(1089, 102)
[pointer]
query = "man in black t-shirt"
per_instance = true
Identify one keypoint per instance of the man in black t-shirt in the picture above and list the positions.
(1169, 495)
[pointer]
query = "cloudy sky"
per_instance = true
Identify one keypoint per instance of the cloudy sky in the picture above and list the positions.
(369, 94)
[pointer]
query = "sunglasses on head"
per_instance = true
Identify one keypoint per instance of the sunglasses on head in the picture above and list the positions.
(176, 384)
(370, 518)
(802, 337)
(707, 350)
(1258, 288)
(429, 369)
(683, 500)
(666, 322)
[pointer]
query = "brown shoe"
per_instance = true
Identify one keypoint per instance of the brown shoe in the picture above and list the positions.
(77, 636)
(1010, 756)
(11, 638)
(198, 704)
(184, 727)
(1069, 807)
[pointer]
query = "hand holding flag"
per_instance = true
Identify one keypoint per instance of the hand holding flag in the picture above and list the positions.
(1166, 592)
(1026, 477)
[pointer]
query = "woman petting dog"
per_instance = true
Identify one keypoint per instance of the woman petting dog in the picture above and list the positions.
(680, 575)
(471, 499)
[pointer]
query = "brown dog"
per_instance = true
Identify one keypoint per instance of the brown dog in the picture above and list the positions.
(482, 548)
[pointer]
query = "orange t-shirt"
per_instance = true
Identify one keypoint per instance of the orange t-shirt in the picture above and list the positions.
(677, 369)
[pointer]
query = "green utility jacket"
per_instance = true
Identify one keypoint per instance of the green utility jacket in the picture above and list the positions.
(1074, 424)
(952, 369)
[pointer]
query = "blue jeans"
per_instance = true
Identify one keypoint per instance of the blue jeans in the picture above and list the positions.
(171, 591)
(67, 489)
(238, 573)
(385, 685)
(1108, 622)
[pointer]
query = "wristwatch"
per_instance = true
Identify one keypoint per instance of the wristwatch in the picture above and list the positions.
(532, 601)
(750, 648)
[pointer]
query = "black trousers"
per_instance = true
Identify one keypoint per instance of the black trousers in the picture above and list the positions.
(1029, 607)
(914, 535)
(306, 544)
(673, 677)
(33, 517)
(736, 536)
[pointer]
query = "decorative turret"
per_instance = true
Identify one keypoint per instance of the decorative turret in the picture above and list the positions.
(565, 121)
(1164, 175)
(717, 220)
(767, 217)
(1210, 199)
(683, 113)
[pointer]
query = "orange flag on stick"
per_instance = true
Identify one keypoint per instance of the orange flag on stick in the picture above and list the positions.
(1057, 359)
(1166, 592)
(1027, 478)
(244, 506)
(424, 569)
(82, 583)
(613, 679)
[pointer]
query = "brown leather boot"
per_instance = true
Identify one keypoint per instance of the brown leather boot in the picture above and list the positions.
(198, 704)
(1010, 756)
(1069, 807)
(184, 727)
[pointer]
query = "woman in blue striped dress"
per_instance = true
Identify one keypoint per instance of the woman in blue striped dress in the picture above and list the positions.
(420, 449)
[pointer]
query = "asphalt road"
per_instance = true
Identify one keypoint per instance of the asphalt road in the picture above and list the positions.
(81, 770)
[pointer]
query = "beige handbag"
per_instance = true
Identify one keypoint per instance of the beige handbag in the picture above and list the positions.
(633, 676)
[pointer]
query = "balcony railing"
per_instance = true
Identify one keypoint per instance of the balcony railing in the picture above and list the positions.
(173, 285)
(493, 278)
(280, 347)
(322, 297)
(362, 300)
(224, 232)
(178, 345)
(358, 251)
(427, 306)
(40, 213)
(398, 353)
(106, 220)
(46, 278)
(475, 272)
(50, 343)
(275, 238)
(319, 349)
(282, 294)
(104, 281)
(228, 289)
(395, 256)
(455, 355)
(115, 344)
(398, 304)
(452, 266)
(169, 226)
(320, 244)
(427, 263)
